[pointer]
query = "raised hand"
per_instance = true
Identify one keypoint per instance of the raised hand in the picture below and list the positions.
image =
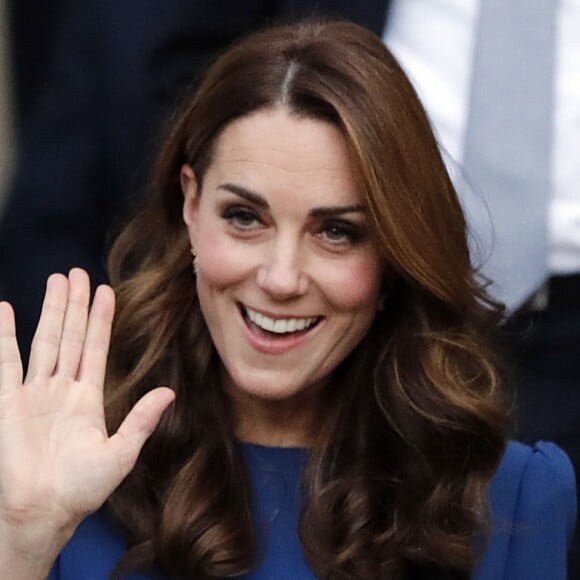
(57, 463)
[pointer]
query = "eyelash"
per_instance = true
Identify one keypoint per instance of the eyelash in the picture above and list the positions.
(350, 233)
(246, 219)
(236, 215)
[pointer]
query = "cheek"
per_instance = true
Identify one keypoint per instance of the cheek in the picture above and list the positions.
(356, 285)
(220, 261)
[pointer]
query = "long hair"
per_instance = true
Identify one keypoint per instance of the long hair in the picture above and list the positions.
(398, 477)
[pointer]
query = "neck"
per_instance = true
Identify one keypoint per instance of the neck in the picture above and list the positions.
(289, 422)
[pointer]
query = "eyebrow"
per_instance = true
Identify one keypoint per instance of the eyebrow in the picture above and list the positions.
(260, 201)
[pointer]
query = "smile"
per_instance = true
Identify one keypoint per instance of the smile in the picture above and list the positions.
(279, 325)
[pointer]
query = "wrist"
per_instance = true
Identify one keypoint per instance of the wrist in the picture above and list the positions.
(29, 551)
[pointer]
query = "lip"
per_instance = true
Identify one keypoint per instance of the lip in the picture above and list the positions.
(276, 345)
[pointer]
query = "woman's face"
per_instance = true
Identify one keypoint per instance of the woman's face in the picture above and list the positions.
(287, 276)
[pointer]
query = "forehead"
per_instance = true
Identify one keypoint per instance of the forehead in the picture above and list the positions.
(273, 150)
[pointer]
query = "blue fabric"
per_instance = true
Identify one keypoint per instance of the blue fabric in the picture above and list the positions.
(533, 504)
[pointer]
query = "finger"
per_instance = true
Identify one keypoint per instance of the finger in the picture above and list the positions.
(46, 341)
(10, 361)
(75, 323)
(96, 348)
(139, 425)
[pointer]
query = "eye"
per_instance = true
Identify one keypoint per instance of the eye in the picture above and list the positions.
(336, 234)
(241, 217)
(341, 233)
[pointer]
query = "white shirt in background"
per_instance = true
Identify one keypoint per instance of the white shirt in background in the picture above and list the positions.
(434, 42)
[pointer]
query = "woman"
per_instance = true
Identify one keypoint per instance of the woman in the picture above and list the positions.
(300, 279)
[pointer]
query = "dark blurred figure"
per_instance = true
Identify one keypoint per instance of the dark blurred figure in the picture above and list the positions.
(34, 30)
(86, 141)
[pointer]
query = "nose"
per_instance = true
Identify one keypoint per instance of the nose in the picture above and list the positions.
(281, 274)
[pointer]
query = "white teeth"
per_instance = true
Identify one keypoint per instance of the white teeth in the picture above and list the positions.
(280, 325)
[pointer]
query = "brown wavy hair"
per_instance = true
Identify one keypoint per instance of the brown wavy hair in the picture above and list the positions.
(397, 479)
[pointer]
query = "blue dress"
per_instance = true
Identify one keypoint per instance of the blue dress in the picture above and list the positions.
(532, 496)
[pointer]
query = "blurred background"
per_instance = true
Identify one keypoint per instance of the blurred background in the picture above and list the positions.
(6, 103)
(28, 29)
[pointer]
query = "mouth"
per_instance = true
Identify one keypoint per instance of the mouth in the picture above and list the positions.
(278, 327)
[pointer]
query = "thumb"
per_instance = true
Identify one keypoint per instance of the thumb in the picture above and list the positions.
(138, 425)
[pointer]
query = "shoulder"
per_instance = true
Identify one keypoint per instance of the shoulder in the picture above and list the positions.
(533, 503)
(538, 481)
(528, 470)
(542, 458)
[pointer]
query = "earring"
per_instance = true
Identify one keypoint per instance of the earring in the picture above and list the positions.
(194, 262)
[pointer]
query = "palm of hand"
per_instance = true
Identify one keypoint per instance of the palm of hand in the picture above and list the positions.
(61, 445)
(57, 462)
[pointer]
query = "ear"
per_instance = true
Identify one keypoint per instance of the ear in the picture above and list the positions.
(190, 197)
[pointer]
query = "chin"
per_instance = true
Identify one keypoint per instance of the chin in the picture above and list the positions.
(269, 386)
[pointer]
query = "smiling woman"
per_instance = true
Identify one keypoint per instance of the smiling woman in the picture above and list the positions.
(278, 232)
(337, 404)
